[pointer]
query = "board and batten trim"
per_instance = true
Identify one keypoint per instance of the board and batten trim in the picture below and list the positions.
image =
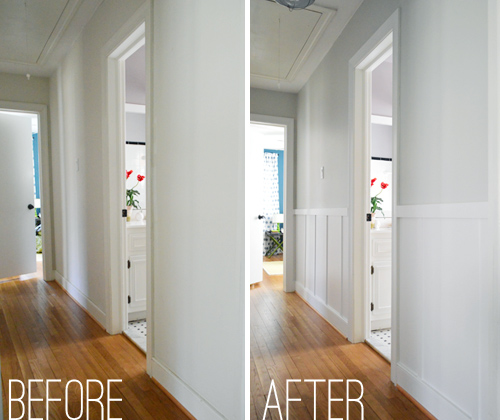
(321, 263)
(321, 212)
(477, 210)
(183, 393)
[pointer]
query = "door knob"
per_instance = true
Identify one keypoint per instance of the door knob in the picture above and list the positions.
(260, 217)
(31, 206)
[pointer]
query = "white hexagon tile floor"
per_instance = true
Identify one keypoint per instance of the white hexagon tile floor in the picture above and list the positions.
(137, 332)
(381, 341)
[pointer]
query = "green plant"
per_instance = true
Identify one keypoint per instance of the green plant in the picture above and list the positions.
(376, 200)
(132, 193)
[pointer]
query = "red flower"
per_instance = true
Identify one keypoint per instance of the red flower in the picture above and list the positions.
(129, 173)
(384, 185)
(373, 181)
(140, 177)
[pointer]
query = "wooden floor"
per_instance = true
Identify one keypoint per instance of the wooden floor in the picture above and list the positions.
(289, 340)
(44, 334)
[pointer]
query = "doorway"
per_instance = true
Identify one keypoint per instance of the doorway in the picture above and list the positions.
(128, 155)
(136, 179)
(269, 198)
(378, 284)
(379, 52)
(26, 217)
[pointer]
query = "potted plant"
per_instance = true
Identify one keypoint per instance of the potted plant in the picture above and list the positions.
(132, 194)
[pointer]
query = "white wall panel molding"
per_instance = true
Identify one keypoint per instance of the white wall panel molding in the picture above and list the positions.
(321, 212)
(187, 397)
(322, 263)
(327, 312)
(429, 397)
(444, 211)
(81, 298)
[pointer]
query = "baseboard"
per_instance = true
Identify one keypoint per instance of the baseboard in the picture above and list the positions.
(330, 315)
(429, 398)
(183, 394)
(83, 301)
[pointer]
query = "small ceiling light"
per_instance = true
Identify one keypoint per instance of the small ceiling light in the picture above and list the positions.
(295, 4)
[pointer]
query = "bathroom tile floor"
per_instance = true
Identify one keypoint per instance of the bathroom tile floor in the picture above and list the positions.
(380, 340)
(137, 332)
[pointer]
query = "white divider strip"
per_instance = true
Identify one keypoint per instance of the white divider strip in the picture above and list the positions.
(444, 211)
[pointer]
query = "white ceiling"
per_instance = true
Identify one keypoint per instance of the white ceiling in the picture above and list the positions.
(36, 34)
(286, 47)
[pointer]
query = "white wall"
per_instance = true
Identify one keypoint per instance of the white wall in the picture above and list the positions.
(17, 88)
(381, 141)
(442, 165)
(275, 104)
(76, 115)
(198, 187)
(382, 89)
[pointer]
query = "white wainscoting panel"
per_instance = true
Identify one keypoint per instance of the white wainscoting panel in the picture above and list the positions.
(300, 249)
(441, 270)
(321, 263)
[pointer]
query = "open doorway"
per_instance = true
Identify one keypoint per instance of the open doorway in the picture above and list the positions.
(128, 158)
(135, 169)
(268, 175)
(374, 246)
(22, 253)
(269, 198)
(379, 284)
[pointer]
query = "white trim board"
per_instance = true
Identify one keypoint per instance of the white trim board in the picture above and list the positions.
(322, 212)
(187, 396)
(444, 211)
(135, 108)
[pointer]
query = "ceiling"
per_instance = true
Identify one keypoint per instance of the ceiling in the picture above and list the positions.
(287, 46)
(36, 34)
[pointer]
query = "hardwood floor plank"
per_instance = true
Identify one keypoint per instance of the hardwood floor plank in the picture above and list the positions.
(45, 334)
(289, 340)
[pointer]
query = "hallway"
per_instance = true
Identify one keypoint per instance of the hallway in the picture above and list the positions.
(45, 334)
(289, 340)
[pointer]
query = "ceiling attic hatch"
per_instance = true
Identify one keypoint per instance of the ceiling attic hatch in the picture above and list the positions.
(282, 43)
(295, 4)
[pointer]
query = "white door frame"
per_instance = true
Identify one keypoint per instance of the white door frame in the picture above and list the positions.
(45, 178)
(134, 34)
(375, 51)
(288, 195)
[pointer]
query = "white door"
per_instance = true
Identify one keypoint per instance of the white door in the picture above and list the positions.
(255, 203)
(381, 295)
(17, 220)
(137, 283)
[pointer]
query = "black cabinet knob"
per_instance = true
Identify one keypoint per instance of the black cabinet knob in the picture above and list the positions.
(260, 217)
(31, 206)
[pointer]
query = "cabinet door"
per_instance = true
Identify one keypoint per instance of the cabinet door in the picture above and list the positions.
(137, 283)
(381, 295)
